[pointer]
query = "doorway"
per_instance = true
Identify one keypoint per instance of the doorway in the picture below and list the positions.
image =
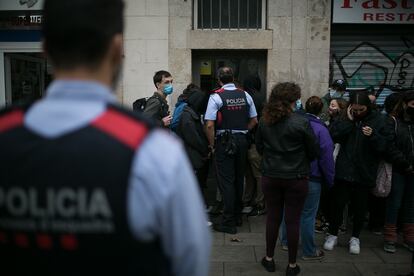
(26, 77)
(245, 63)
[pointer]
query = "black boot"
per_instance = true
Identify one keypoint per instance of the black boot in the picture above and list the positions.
(292, 271)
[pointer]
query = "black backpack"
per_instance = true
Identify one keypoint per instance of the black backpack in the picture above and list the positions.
(139, 105)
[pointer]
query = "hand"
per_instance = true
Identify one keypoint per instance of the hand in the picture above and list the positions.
(349, 113)
(367, 131)
(167, 120)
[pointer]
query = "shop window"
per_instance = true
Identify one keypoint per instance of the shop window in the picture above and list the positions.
(229, 14)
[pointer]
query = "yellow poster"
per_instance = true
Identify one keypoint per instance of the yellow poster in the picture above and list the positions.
(205, 67)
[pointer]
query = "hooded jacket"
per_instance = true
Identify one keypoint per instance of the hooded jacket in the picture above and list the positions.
(190, 129)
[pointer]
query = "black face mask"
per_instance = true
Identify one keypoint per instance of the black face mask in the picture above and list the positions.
(359, 116)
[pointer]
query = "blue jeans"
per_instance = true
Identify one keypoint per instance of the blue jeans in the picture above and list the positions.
(307, 220)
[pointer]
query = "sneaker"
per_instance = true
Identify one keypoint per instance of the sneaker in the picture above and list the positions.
(269, 265)
(285, 247)
(291, 271)
(354, 247)
(225, 229)
(330, 242)
(389, 247)
(318, 256)
(247, 209)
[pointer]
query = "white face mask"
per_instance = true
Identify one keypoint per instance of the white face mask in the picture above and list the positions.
(332, 92)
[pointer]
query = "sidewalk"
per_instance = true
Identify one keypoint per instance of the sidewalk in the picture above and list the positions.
(243, 258)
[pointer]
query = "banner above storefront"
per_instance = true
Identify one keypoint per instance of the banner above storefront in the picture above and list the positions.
(373, 11)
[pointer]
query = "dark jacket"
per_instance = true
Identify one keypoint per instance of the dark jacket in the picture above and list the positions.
(323, 168)
(191, 130)
(359, 155)
(401, 148)
(156, 108)
(287, 147)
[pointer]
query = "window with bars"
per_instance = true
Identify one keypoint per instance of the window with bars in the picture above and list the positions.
(229, 14)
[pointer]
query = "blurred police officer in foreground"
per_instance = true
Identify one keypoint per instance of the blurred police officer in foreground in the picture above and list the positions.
(87, 187)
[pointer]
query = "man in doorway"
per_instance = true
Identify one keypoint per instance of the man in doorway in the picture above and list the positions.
(230, 115)
(157, 106)
(88, 187)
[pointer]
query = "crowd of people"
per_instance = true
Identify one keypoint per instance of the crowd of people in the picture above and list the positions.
(312, 164)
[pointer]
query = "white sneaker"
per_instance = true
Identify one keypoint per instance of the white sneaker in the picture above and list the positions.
(330, 242)
(354, 246)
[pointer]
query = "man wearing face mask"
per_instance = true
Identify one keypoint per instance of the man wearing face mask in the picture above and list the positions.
(84, 189)
(157, 106)
(363, 140)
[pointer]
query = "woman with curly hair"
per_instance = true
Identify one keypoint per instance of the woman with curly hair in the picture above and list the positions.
(286, 141)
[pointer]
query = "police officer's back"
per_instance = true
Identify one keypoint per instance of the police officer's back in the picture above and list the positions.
(83, 186)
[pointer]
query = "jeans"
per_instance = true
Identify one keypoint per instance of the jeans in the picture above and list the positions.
(307, 220)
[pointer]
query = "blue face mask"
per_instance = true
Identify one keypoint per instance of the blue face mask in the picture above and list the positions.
(298, 105)
(168, 89)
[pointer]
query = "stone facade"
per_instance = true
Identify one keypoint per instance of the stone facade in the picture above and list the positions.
(159, 35)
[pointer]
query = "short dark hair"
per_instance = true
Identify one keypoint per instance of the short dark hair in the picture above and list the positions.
(225, 75)
(159, 75)
(314, 105)
(79, 32)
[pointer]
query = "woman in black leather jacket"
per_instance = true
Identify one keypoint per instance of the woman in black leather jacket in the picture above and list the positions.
(288, 145)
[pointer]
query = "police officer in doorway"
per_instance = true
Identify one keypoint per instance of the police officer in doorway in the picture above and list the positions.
(86, 186)
(230, 115)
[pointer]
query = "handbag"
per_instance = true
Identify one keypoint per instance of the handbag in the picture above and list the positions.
(384, 178)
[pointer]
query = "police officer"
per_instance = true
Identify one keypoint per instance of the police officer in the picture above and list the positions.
(87, 187)
(230, 114)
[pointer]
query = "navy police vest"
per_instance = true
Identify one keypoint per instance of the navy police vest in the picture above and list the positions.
(234, 114)
(63, 201)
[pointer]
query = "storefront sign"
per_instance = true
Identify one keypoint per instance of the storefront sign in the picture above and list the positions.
(20, 20)
(373, 11)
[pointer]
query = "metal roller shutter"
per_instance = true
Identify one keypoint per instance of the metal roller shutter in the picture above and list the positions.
(371, 55)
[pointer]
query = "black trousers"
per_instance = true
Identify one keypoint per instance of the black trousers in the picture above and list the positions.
(230, 171)
(342, 193)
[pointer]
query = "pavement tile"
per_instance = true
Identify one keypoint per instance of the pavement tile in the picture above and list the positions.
(383, 269)
(251, 269)
(257, 224)
(232, 254)
(216, 269)
(328, 269)
(218, 238)
(401, 256)
(341, 255)
(245, 239)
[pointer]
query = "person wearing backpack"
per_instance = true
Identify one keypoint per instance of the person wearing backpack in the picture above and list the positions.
(190, 130)
(156, 106)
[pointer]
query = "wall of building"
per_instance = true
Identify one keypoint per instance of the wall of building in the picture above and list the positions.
(159, 35)
(145, 47)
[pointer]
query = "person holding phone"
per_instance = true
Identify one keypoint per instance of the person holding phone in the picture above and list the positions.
(363, 142)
